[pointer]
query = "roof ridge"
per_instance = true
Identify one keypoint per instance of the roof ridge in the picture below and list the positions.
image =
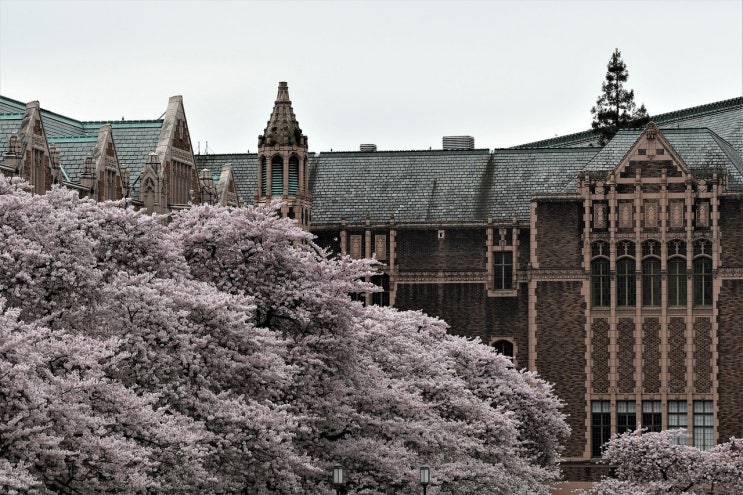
(728, 149)
(713, 107)
(660, 119)
(60, 139)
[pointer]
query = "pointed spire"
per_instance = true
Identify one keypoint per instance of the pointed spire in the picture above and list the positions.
(282, 128)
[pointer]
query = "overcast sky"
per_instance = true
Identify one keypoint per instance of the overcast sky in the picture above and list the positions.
(398, 74)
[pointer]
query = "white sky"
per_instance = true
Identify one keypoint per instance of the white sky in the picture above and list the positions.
(397, 74)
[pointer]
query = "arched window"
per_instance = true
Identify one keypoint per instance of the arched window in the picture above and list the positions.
(651, 273)
(504, 348)
(277, 176)
(600, 278)
(702, 273)
(293, 175)
(264, 192)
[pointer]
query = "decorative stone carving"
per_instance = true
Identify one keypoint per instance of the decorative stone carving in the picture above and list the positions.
(380, 247)
(441, 277)
(703, 214)
(625, 215)
(599, 215)
(677, 214)
(355, 250)
(651, 215)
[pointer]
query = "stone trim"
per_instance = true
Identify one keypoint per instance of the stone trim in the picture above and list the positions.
(441, 277)
(558, 274)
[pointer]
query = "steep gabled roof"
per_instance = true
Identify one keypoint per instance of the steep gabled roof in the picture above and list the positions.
(135, 140)
(698, 148)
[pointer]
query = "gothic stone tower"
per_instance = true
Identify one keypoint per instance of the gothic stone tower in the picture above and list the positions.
(282, 161)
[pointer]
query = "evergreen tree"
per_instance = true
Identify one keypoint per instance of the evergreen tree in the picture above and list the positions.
(615, 108)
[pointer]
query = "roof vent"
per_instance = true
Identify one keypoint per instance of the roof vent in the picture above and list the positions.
(458, 143)
(368, 147)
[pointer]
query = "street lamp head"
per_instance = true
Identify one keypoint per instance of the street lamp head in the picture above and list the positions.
(338, 475)
(425, 475)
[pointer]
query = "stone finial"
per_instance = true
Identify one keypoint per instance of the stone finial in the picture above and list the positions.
(651, 130)
(283, 96)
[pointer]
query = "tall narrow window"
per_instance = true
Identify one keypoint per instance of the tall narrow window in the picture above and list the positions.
(600, 425)
(677, 418)
(503, 270)
(677, 282)
(703, 281)
(600, 283)
(652, 416)
(651, 282)
(626, 282)
(277, 176)
(703, 424)
(626, 416)
(293, 175)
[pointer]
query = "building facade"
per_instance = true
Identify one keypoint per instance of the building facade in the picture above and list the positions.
(614, 272)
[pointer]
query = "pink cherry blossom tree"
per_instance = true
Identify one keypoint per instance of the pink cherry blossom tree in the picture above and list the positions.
(219, 351)
(661, 463)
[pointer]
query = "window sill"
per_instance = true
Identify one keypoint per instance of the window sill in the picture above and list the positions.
(503, 293)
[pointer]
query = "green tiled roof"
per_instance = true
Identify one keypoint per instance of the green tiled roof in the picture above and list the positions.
(244, 171)
(72, 155)
(133, 144)
(8, 105)
(9, 124)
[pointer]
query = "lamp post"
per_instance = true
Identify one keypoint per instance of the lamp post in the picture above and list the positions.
(425, 477)
(338, 480)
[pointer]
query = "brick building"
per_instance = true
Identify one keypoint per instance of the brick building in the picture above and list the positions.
(615, 272)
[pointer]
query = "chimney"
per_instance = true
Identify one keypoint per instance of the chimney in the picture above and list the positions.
(368, 147)
(458, 143)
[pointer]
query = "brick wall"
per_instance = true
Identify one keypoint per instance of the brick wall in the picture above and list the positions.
(600, 355)
(730, 350)
(460, 249)
(651, 356)
(469, 312)
(559, 228)
(731, 226)
(703, 356)
(677, 356)
(626, 355)
(561, 352)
